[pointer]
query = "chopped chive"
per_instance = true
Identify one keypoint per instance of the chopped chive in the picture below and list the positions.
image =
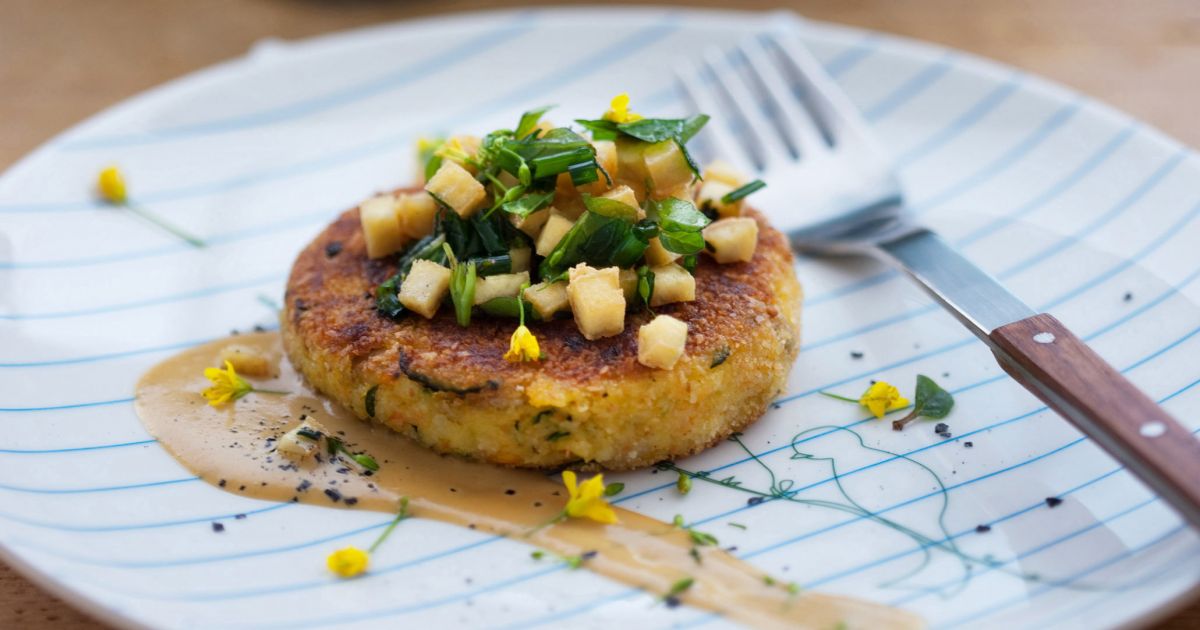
(743, 191)
(613, 489)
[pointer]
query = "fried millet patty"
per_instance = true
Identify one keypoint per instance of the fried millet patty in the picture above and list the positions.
(587, 404)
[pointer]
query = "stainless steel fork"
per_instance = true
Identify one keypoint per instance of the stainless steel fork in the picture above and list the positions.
(833, 190)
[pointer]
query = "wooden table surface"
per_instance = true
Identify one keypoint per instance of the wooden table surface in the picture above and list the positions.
(62, 60)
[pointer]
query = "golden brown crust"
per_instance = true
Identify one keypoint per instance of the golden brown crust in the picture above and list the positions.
(435, 367)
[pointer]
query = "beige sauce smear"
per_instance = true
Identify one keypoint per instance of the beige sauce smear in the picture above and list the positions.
(232, 447)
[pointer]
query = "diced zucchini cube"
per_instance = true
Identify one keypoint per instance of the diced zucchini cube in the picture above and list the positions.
(425, 287)
(666, 166)
(596, 300)
(624, 194)
(606, 157)
(532, 223)
(710, 197)
(661, 342)
(380, 226)
(469, 145)
(417, 214)
(686, 192)
(499, 285)
(245, 360)
(628, 279)
(302, 442)
(732, 240)
(657, 255)
(548, 299)
(556, 227)
(520, 258)
(672, 283)
(456, 188)
(724, 172)
(631, 164)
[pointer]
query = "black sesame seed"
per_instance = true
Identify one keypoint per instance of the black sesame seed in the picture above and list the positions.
(983, 529)
(333, 249)
(1053, 501)
(239, 516)
(672, 602)
(333, 495)
(221, 483)
(855, 354)
(510, 492)
(218, 528)
(754, 500)
(1128, 297)
(941, 427)
(350, 501)
(969, 444)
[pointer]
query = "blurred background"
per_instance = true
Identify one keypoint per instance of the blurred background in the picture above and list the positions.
(63, 60)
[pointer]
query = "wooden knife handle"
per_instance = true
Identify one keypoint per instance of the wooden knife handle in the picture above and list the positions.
(1067, 375)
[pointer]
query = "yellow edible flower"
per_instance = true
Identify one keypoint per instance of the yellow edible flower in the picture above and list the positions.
(882, 397)
(226, 385)
(523, 346)
(618, 110)
(111, 184)
(587, 499)
(348, 562)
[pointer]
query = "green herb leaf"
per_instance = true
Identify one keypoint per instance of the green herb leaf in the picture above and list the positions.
(462, 287)
(528, 203)
(529, 120)
(702, 538)
(645, 284)
(679, 225)
(680, 586)
(602, 237)
(658, 129)
(743, 191)
(720, 356)
(366, 461)
(557, 435)
(613, 489)
(930, 401)
(537, 554)
(369, 401)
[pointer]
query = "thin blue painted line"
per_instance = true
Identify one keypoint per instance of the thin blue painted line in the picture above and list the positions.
(93, 529)
(1130, 261)
(166, 299)
(853, 56)
(1009, 159)
(967, 120)
(1133, 197)
(72, 449)
(1057, 189)
(98, 489)
(1038, 548)
(109, 356)
(578, 610)
(1141, 581)
(1071, 579)
(912, 87)
(97, 403)
(409, 73)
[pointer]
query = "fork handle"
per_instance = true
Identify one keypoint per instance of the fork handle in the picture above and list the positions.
(1060, 369)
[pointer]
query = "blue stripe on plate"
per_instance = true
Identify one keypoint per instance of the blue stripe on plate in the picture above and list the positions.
(467, 50)
(912, 87)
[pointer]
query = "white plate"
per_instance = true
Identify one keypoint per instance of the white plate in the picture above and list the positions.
(1071, 204)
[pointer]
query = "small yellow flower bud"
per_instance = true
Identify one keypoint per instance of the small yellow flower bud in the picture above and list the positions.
(111, 185)
(348, 562)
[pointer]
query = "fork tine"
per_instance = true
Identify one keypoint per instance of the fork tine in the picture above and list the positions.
(724, 145)
(803, 133)
(766, 143)
(830, 106)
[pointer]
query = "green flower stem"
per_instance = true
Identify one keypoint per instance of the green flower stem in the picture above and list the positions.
(162, 223)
